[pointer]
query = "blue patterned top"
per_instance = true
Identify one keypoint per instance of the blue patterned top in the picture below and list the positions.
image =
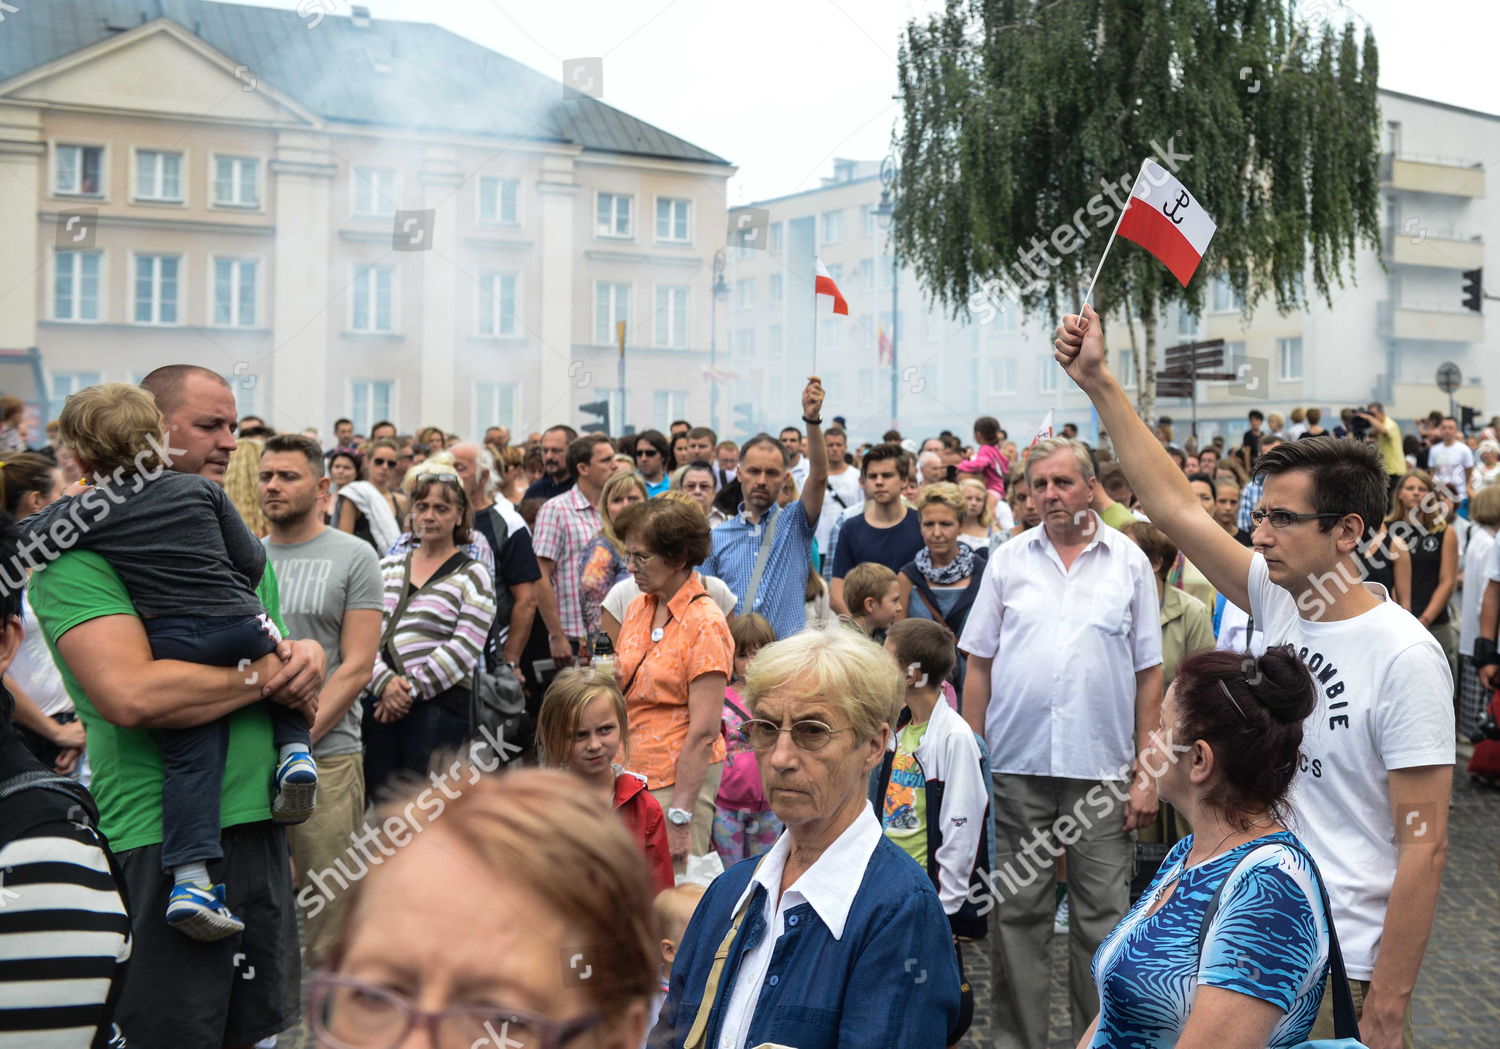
(736, 543)
(1269, 940)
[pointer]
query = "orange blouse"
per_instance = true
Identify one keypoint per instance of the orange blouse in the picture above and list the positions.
(695, 641)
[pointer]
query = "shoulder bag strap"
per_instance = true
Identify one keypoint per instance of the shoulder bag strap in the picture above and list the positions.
(919, 584)
(698, 1032)
(768, 538)
(447, 568)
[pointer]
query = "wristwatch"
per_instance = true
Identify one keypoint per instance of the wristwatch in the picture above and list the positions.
(679, 817)
(813, 422)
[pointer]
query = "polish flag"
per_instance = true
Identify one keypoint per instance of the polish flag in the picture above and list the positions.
(1163, 218)
(1043, 432)
(823, 285)
(884, 342)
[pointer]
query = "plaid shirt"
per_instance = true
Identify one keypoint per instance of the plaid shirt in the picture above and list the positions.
(1248, 498)
(565, 526)
(736, 543)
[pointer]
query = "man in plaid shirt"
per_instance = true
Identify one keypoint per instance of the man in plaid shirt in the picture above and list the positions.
(565, 526)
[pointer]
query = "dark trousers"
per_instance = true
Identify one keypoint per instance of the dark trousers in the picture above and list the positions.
(192, 759)
(408, 743)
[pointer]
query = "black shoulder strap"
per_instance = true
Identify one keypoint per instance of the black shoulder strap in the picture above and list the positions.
(1345, 1022)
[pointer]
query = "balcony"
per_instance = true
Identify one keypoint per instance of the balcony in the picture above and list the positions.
(1415, 245)
(1420, 173)
(1428, 324)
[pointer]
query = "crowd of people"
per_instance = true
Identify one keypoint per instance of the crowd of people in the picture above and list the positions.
(809, 715)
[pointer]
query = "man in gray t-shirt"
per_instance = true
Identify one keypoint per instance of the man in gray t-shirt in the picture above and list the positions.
(330, 592)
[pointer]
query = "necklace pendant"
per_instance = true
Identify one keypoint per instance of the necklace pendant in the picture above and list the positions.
(658, 634)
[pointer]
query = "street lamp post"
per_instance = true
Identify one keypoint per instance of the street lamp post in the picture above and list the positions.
(718, 290)
(886, 210)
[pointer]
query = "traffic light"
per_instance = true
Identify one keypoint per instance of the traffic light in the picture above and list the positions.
(601, 409)
(1473, 289)
(745, 417)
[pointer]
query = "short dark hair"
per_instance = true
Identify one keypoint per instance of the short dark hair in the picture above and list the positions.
(1255, 731)
(256, 433)
(1112, 478)
(697, 433)
(924, 645)
(382, 422)
(565, 428)
(340, 422)
(835, 431)
(789, 429)
(766, 439)
(1213, 486)
(679, 422)
(165, 384)
(669, 529)
(1256, 415)
(891, 437)
(1347, 477)
(296, 442)
(581, 450)
(882, 452)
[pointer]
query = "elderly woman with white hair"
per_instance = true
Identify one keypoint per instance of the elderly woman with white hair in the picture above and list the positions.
(834, 937)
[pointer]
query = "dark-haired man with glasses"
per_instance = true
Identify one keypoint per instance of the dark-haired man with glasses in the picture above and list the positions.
(1371, 801)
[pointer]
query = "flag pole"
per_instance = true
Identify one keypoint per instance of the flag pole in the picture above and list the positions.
(815, 316)
(1110, 243)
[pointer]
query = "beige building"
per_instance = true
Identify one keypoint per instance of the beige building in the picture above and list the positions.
(344, 216)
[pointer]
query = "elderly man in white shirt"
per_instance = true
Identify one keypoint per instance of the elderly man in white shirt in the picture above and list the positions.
(1065, 685)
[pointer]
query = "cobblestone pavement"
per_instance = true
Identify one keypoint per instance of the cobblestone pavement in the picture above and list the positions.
(1458, 994)
(1457, 1004)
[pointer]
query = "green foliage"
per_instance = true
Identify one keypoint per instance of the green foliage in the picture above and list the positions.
(1015, 110)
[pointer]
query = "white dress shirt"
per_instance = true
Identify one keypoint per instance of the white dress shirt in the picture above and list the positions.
(1066, 645)
(829, 885)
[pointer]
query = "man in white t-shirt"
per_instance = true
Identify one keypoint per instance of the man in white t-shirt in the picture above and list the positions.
(843, 491)
(1451, 460)
(1371, 802)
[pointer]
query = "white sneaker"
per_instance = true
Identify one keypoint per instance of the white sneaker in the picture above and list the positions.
(1060, 919)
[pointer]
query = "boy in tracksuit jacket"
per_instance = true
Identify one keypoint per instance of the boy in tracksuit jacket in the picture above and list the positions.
(931, 793)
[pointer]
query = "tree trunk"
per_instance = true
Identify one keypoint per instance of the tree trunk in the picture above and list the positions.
(1146, 375)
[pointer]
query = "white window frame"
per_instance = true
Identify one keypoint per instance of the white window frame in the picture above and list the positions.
(687, 219)
(1233, 303)
(498, 219)
(671, 319)
(1005, 383)
(360, 173)
(78, 380)
(829, 223)
(371, 272)
(777, 237)
(156, 281)
(239, 161)
(236, 293)
(1048, 377)
(393, 400)
(138, 192)
(744, 293)
(605, 336)
(869, 220)
(1125, 359)
(614, 216)
(58, 258)
(777, 289)
(482, 420)
(667, 405)
(1284, 345)
(58, 191)
(498, 329)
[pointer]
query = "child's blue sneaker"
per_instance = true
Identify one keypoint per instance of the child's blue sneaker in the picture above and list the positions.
(296, 789)
(201, 912)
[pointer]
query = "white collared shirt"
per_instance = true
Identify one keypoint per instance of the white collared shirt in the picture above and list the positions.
(829, 885)
(1066, 645)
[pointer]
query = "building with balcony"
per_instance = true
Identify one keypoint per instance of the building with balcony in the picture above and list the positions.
(343, 216)
(1398, 318)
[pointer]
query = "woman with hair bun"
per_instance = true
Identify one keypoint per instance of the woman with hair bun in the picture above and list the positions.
(1251, 973)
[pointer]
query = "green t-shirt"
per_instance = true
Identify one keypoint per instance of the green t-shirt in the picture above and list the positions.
(127, 773)
(905, 817)
(1117, 516)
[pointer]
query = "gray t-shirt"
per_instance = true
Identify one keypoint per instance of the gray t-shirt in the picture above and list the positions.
(320, 580)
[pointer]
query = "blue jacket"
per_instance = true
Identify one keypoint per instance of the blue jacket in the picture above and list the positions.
(891, 982)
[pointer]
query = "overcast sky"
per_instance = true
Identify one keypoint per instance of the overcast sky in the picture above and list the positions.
(781, 87)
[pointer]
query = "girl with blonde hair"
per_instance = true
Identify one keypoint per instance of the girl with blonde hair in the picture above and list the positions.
(604, 559)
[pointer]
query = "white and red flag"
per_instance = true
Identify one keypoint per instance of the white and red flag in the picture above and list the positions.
(1043, 432)
(823, 285)
(1166, 220)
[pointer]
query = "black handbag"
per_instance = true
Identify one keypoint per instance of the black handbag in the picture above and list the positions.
(500, 730)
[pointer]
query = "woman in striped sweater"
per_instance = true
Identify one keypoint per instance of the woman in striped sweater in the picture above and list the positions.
(438, 607)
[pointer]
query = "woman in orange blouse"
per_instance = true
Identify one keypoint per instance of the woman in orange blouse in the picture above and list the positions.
(675, 654)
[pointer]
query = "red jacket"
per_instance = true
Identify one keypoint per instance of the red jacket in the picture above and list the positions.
(647, 824)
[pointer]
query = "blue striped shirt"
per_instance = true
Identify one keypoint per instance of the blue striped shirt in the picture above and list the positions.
(783, 587)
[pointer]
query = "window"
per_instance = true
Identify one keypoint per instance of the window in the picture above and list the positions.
(1050, 371)
(75, 286)
(234, 293)
(611, 307)
(497, 304)
(667, 405)
(158, 175)
(1290, 352)
(778, 232)
(774, 341)
(65, 384)
(236, 182)
(1124, 364)
(672, 317)
(830, 227)
(500, 201)
(372, 402)
(374, 192)
(836, 271)
(1003, 376)
(744, 343)
(613, 216)
(1187, 323)
(1008, 315)
(867, 274)
(495, 405)
(672, 220)
(78, 171)
(374, 301)
(869, 220)
(1225, 298)
(156, 289)
(867, 384)
(776, 289)
(744, 293)
(887, 270)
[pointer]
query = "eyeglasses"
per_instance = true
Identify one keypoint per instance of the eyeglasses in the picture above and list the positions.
(637, 560)
(646, 453)
(383, 462)
(1283, 518)
(761, 734)
(350, 1014)
(445, 478)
